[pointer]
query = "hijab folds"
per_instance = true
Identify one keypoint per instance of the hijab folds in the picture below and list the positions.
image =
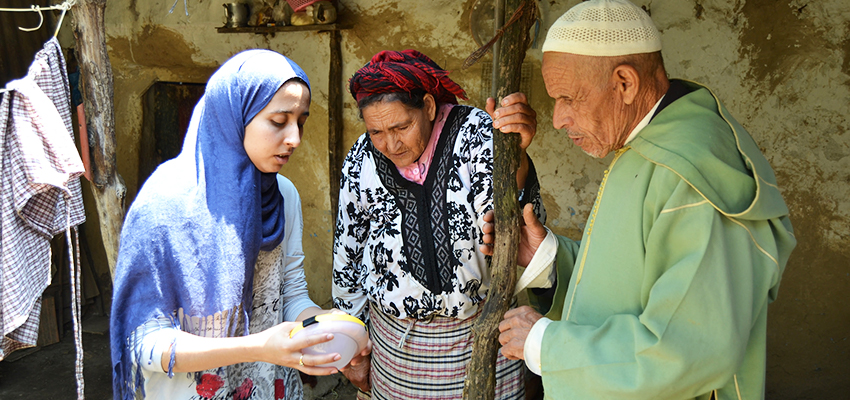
(192, 236)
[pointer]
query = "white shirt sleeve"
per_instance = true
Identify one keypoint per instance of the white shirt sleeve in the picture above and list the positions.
(150, 340)
(541, 271)
(534, 344)
(294, 295)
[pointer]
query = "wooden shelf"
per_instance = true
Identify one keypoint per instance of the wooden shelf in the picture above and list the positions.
(287, 28)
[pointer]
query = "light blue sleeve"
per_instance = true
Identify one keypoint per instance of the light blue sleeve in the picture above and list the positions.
(294, 296)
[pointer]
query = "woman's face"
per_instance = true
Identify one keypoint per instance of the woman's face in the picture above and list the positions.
(399, 132)
(275, 132)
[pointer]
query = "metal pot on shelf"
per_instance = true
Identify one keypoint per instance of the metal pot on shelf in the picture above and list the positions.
(235, 14)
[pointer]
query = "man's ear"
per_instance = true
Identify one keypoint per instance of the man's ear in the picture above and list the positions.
(627, 82)
(430, 106)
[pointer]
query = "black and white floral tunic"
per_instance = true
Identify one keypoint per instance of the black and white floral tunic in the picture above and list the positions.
(413, 249)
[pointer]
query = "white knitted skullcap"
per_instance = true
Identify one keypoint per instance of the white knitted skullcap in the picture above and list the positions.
(603, 28)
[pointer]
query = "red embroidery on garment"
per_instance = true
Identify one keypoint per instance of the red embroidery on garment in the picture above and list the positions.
(244, 391)
(209, 385)
(279, 389)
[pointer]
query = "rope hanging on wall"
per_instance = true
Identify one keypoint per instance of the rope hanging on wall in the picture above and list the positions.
(64, 7)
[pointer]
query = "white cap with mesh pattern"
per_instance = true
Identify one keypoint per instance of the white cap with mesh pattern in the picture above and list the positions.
(603, 28)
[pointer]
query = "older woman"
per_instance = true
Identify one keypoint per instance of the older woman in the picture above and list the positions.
(413, 193)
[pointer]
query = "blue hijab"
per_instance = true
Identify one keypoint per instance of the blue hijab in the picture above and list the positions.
(191, 238)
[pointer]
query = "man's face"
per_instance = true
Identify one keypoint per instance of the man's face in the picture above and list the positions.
(586, 103)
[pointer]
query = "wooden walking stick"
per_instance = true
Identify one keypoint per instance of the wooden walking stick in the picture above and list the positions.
(511, 42)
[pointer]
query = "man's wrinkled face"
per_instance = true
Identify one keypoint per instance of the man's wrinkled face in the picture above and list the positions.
(586, 104)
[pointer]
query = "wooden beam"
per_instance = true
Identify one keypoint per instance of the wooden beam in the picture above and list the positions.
(509, 53)
(285, 28)
(97, 88)
(336, 152)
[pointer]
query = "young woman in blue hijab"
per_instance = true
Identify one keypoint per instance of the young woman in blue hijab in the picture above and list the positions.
(210, 265)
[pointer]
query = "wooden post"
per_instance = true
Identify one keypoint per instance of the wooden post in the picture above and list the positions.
(509, 53)
(97, 89)
(336, 152)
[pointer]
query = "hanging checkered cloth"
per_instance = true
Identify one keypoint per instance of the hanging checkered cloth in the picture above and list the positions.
(40, 197)
(404, 71)
(426, 360)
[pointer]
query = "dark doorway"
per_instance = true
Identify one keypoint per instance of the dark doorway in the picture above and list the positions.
(167, 112)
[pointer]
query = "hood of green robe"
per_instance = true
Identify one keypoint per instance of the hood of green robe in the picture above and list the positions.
(697, 138)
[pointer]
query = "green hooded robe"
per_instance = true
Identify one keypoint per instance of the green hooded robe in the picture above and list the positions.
(684, 248)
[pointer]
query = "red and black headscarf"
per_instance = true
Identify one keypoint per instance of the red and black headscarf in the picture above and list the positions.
(404, 71)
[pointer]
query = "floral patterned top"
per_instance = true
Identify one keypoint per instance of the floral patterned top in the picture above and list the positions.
(413, 249)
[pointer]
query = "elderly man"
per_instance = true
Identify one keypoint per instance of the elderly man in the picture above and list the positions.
(666, 294)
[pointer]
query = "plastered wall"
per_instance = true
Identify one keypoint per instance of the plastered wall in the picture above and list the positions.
(782, 68)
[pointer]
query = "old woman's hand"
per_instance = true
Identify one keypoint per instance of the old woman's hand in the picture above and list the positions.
(358, 370)
(514, 115)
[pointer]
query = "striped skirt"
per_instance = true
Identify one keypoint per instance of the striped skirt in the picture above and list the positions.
(427, 361)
